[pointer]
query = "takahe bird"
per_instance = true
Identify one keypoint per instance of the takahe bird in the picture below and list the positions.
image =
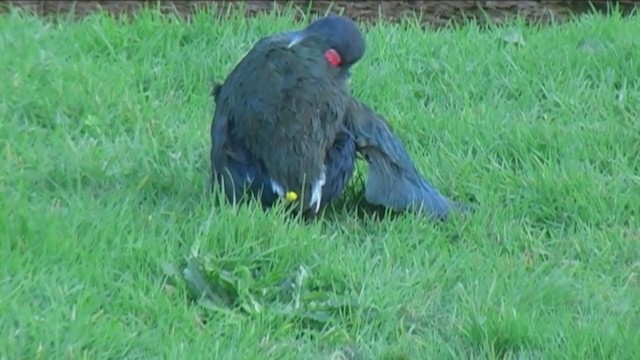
(278, 128)
(393, 181)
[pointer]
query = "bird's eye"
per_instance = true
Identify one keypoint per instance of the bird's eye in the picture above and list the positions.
(332, 57)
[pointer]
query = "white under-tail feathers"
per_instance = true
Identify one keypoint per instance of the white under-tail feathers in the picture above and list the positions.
(316, 190)
(277, 188)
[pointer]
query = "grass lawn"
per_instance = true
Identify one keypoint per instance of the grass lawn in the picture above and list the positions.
(104, 135)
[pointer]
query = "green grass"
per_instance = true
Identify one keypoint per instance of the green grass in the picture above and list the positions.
(104, 136)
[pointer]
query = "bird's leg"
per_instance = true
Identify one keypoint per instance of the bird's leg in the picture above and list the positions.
(279, 190)
(316, 190)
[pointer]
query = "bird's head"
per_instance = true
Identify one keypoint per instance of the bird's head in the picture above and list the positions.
(344, 43)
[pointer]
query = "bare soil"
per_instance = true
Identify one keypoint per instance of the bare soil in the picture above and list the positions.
(431, 13)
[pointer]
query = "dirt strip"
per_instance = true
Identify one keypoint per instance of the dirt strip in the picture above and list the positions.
(432, 13)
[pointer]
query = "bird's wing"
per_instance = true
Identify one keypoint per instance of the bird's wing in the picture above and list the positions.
(232, 164)
(221, 146)
(219, 141)
(393, 180)
(373, 133)
(340, 165)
